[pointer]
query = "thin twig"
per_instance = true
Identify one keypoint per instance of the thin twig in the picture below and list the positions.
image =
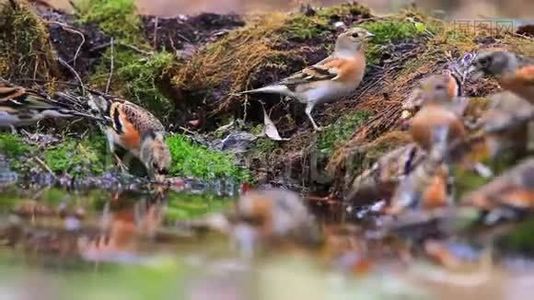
(93, 91)
(118, 43)
(71, 69)
(111, 65)
(68, 28)
(43, 165)
(155, 41)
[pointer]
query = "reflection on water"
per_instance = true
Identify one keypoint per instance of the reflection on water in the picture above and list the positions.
(135, 245)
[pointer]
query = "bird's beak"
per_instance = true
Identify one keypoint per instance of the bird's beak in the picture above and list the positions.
(370, 35)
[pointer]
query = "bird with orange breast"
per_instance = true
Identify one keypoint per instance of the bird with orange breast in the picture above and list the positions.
(380, 181)
(446, 86)
(514, 73)
(514, 188)
(136, 130)
(439, 122)
(435, 128)
(335, 77)
(506, 125)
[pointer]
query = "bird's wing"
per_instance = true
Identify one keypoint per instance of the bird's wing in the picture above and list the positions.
(327, 69)
(140, 118)
(20, 98)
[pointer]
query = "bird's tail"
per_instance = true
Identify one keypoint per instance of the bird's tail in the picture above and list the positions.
(270, 89)
(77, 105)
(18, 97)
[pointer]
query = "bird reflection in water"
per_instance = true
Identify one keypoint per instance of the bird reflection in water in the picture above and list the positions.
(128, 220)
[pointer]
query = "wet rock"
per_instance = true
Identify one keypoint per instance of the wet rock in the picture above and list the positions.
(7, 177)
(236, 142)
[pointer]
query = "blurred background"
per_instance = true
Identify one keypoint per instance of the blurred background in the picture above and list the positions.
(454, 8)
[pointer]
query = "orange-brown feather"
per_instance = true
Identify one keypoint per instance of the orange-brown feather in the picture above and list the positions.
(452, 87)
(435, 195)
(347, 69)
(131, 137)
(431, 116)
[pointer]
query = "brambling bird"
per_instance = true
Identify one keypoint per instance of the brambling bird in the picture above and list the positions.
(380, 181)
(426, 187)
(514, 188)
(505, 124)
(435, 126)
(20, 106)
(334, 77)
(136, 130)
(445, 89)
(277, 213)
(513, 72)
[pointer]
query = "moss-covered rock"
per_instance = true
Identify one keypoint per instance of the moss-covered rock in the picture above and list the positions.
(137, 77)
(117, 18)
(340, 132)
(79, 157)
(13, 145)
(25, 50)
(71, 156)
(191, 159)
(132, 68)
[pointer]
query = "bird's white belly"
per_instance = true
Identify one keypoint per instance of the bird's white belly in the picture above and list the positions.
(325, 93)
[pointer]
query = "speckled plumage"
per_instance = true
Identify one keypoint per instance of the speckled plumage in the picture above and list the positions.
(135, 129)
(20, 106)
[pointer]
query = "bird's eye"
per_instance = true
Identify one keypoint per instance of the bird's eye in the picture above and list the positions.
(484, 62)
(355, 35)
(440, 87)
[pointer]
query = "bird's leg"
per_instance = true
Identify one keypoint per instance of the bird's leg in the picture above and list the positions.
(120, 164)
(13, 129)
(308, 110)
(111, 146)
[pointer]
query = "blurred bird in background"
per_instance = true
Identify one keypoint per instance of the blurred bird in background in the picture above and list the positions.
(514, 73)
(20, 106)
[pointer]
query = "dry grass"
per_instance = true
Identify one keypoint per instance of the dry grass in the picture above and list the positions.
(25, 51)
(232, 59)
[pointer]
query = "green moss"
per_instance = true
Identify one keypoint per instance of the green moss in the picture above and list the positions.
(117, 18)
(305, 27)
(520, 240)
(24, 47)
(190, 159)
(136, 74)
(190, 206)
(78, 157)
(13, 145)
(136, 77)
(339, 133)
(466, 181)
(390, 31)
